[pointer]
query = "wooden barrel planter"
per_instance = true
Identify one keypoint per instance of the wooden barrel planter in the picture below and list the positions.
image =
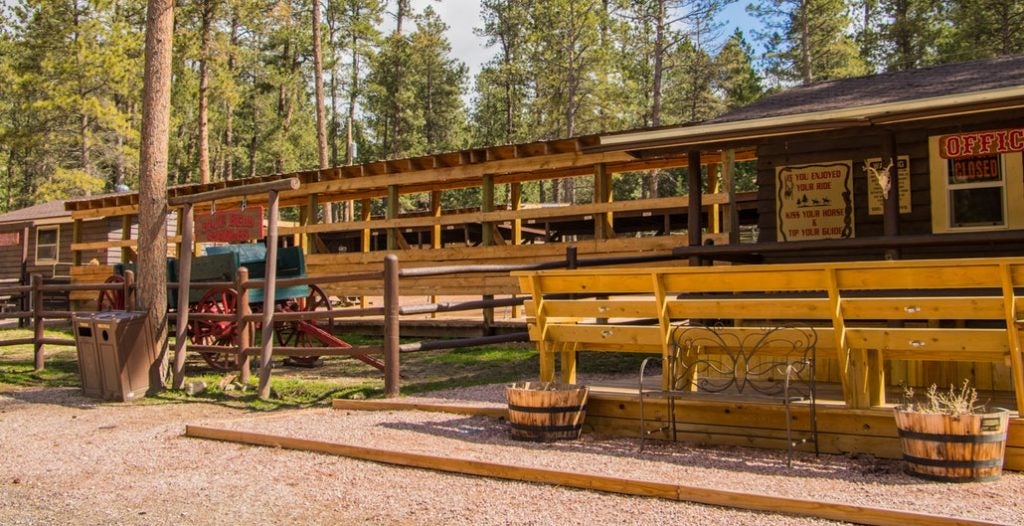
(966, 448)
(545, 411)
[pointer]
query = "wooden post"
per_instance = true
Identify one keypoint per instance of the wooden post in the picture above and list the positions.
(38, 322)
(517, 229)
(311, 209)
(392, 297)
(693, 224)
(184, 281)
(487, 205)
(24, 299)
(891, 205)
(731, 219)
(129, 290)
(269, 290)
(365, 215)
(242, 326)
(180, 228)
(76, 237)
(436, 242)
(487, 240)
(392, 213)
(603, 221)
(714, 185)
(126, 235)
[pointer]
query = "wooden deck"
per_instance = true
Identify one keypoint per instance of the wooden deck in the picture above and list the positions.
(613, 409)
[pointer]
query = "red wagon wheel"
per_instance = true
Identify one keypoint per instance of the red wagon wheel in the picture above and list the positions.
(111, 299)
(301, 333)
(218, 300)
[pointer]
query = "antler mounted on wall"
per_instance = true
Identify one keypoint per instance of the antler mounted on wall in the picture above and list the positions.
(883, 176)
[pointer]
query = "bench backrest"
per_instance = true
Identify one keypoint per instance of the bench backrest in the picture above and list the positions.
(942, 310)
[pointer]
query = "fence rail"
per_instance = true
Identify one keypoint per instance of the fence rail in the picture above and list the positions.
(247, 321)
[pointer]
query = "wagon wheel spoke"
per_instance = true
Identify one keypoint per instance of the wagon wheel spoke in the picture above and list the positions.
(216, 332)
(111, 299)
(290, 334)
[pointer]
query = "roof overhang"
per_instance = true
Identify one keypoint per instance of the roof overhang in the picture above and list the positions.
(872, 115)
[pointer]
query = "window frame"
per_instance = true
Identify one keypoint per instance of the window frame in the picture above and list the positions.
(1011, 187)
(55, 245)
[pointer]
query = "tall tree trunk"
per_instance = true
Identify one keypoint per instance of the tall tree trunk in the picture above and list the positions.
(805, 43)
(156, 116)
(321, 113)
(204, 87)
(229, 108)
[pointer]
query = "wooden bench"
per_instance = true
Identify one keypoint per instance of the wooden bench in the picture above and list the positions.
(870, 317)
(711, 360)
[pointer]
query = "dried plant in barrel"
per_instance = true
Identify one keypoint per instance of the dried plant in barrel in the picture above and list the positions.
(950, 437)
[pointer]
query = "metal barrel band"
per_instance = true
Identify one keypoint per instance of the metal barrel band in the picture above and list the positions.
(941, 478)
(942, 463)
(556, 409)
(546, 428)
(962, 439)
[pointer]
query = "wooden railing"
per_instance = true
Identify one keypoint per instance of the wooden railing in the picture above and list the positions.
(872, 317)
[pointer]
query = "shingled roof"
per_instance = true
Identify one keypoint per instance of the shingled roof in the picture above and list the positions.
(900, 86)
(42, 211)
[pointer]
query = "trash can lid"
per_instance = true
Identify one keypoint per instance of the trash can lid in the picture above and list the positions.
(117, 315)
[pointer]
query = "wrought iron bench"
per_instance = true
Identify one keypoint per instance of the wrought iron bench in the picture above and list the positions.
(774, 363)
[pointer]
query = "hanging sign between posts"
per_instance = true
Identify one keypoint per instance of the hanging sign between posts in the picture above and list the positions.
(230, 226)
(959, 145)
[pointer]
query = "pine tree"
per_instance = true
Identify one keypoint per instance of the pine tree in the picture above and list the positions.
(806, 40)
(502, 85)
(984, 29)
(737, 79)
(439, 82)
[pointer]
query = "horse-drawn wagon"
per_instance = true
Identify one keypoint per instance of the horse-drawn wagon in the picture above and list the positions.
(218, 266)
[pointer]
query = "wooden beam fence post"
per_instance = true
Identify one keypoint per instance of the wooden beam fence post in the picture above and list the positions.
(38, 322)
(243, 341)
(129, 290)
(731, 217)
(184, 287)
(392, 213)
(392, 367)
(269, 290)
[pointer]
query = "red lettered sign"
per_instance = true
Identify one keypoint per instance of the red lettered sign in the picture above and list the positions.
(230, 226)
(973, 144)
(10, 239)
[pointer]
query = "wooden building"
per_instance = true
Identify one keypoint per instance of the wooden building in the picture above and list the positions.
(905, 165)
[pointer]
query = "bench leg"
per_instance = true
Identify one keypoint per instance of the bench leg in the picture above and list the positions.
(567, 362)
(547, 362)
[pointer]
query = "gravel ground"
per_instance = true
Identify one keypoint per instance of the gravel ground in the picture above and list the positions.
(67, 460)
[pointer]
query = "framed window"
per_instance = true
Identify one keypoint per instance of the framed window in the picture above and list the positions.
(47, 245)
(978, 192)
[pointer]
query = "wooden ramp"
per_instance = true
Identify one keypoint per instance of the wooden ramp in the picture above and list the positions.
(591, 481)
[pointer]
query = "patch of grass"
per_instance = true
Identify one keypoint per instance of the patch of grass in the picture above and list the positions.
(337, 377)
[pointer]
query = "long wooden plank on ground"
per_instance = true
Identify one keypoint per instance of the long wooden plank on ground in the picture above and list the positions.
(400, 405)
(590, 481)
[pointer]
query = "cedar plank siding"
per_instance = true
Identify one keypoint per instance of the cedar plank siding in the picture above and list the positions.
(857, 145)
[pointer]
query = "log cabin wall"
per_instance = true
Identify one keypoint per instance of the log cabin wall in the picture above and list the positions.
(863, 143)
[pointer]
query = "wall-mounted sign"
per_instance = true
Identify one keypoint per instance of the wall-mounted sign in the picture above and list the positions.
(814, 201)
(230, 226)
(876, 204)
(10, 239)
(973, 144)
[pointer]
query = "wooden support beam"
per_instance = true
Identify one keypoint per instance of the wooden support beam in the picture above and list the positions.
(392, 213)
(891, 206)
(603, 221)
(714, 186)
(76, 237)
(436, 241)
(126, 235)
(731, 217)
(693, 225)
(487, 205)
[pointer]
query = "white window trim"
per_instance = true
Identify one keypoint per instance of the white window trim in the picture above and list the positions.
(56, 246)
(1012, 184)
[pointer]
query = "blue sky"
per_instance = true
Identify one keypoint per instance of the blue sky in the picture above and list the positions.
(464, 15)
